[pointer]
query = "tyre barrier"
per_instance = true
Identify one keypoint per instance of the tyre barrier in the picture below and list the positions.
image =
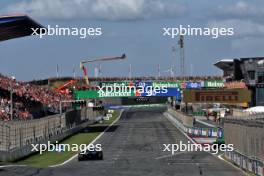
(249, 164)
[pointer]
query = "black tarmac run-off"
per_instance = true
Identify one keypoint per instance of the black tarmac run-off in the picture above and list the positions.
(133, 146)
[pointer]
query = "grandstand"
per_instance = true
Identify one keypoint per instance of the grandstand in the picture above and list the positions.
(28, 101)
(14, 26)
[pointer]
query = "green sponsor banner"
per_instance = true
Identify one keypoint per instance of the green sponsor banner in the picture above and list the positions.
(115, 94)
(214, 83)
(90, 94)
(85, 94)
(167, 84)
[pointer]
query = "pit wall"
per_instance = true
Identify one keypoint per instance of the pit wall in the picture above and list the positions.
(207, 132)
(239, 113)
(16, 137)
(186, 120)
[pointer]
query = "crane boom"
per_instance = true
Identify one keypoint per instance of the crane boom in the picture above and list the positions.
(60, 88)
(85, 72)
(105, 59)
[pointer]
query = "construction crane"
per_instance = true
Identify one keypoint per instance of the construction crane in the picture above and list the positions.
(85, 72)
(62, 88)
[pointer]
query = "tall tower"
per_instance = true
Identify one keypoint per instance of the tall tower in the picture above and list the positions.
(159, 71)
(173, 65)
(182, 55)
(96, 71)
(74, 73)
(130, 71)
(100, 70)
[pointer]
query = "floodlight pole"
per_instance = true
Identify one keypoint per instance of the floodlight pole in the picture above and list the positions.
(11, 101)
(11, 98)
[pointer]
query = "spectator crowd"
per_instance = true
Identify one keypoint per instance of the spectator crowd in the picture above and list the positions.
(19, 110)
(30, 93)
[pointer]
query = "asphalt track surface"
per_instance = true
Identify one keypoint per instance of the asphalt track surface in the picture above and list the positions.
(133, 146)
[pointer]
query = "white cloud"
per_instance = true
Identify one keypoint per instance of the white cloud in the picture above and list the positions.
(242, 28)
(240, 10)
(98, 9)
(248, 36)
(248, 46)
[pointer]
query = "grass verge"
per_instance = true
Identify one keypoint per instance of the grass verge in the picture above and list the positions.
(53, 158)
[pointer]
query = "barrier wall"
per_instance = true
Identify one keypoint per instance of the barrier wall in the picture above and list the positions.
(247, 136)
(16, 153)
(239, 113)
(16, 137)
(195, 131)
(184, 119)
(246, 163)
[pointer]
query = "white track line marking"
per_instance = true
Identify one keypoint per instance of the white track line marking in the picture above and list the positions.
(234, 166)
(101, 134)
(167, 156)
(12, 166)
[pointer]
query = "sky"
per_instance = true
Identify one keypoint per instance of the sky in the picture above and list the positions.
(134, 27)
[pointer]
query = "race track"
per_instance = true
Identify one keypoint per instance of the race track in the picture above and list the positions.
(133, 146)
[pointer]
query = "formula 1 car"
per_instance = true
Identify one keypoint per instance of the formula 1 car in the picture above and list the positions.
(90, 155)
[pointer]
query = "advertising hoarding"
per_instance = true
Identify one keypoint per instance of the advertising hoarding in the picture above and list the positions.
(91, 94)
(117, 83)
(235, 85)
(169, 93)
(176, 84)
(85, 94)
(217, 96)
(166, 84)
(213, 83)
(193, 85)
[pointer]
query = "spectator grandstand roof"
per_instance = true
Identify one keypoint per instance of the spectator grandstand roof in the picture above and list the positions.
(15, 26)
(225, 64)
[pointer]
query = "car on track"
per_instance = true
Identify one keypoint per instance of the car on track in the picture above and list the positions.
(90, 155)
